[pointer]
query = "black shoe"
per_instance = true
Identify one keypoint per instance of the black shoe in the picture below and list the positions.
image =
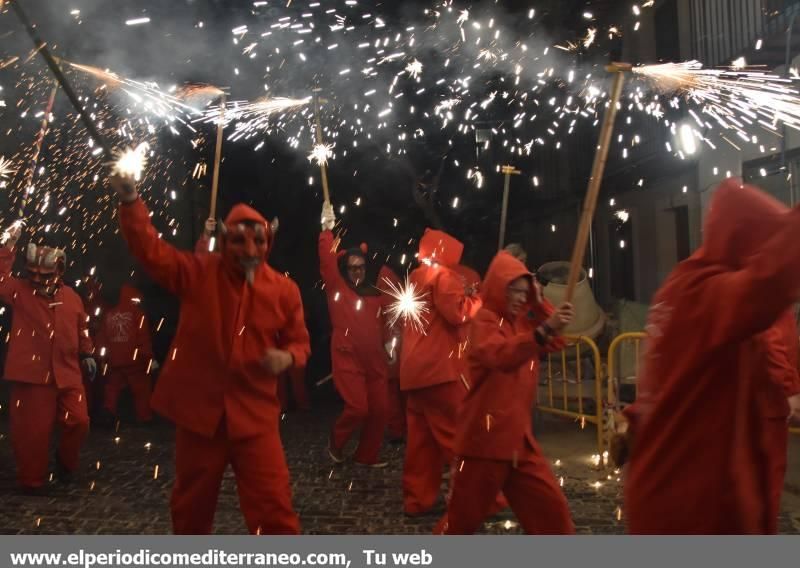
(63, 474)
(28, 491)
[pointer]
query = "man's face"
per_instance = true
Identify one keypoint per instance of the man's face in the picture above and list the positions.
(356, 269)
(517, 295)
(43, 280)
(246, 247)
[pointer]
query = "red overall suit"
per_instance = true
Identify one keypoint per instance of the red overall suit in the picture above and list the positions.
(214, 385)
(124, 342)
(49, 335)
(495, 443)
(431, 370)
(359, 360)
(781, 346)
(697, 462)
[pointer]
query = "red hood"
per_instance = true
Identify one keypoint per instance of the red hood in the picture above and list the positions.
(241, 213)
(468, 274)
(740, 218)
(440, 247)
(503, 270)
(127, 293)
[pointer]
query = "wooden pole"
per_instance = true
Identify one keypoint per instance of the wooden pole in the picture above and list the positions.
(323, 168)
(593, 191)
(37, 149)
(217, 159)
(508, 171)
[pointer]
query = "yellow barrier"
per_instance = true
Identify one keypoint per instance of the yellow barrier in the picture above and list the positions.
(614, 381)
(565, 409)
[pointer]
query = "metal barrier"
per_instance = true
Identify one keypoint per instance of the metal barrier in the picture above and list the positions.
(571, 393)
(614, 380)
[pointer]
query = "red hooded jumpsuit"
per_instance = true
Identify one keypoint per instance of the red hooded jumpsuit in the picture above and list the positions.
(124, 343)
(698, 462)
(48, 337)
(214, 386)
(432, 371)
(360, 369)
(495, 443)
(782, 358)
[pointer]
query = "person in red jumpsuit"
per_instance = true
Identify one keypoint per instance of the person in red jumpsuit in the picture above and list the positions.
(697, 459)
(49, 345)
(780, 400)
(495, 444)
(241, 325)
(358, 354)
(124, 344)
(432, 370)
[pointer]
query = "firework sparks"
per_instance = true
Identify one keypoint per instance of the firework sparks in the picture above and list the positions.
(408, 305)
(414, 68)
(320, 154)
(131, 162)
(6, 168)
(13, 229)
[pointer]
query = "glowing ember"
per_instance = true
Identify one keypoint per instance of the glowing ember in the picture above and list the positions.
(131, 162)
(6, 168)
(321, 153)
(408, 304)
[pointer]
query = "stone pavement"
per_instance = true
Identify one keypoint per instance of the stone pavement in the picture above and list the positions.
(125, 478)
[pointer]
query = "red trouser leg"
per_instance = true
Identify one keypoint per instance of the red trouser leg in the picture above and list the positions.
(32, 417)
(475, 484)
(371, 439)
(776, 441)
(262, 480)
(536, 498)
(141, 388)
(397, 410)
(431, 413)
(352, 387)
(199, 465)
(73, 417)
(115, 384)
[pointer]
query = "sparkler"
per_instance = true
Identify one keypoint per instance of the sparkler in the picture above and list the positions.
(320, 154)
(408, 305)
(131, 162)
(6, 168)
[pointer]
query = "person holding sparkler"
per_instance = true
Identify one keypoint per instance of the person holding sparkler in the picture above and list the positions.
(124, 344)
(495, 443)
(241, 326)
(49, 345)
(696, 433)
(358, 353)
(431, 369)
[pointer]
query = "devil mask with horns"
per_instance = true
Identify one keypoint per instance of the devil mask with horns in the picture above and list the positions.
(45, 267)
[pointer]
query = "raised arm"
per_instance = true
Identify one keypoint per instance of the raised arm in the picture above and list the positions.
(171, 268)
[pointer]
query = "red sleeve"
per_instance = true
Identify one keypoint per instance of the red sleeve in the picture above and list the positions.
(169, 267)
(294, 336)
(745, 302)
(493, 349)
(85, 344)
(451, 300)
(8, 284)
(780, 369)
(201, 247)
(328, 266)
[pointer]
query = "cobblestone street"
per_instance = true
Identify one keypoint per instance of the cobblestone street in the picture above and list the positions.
(125, 479)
